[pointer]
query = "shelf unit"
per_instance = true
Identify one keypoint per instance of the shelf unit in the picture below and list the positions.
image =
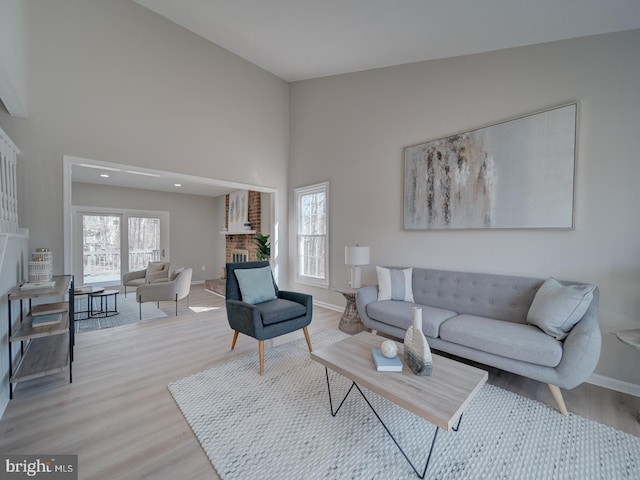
(47, 349)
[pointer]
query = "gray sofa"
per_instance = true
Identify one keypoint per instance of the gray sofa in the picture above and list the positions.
(483, 317)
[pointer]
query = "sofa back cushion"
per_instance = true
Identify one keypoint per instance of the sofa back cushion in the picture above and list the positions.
(502, 297)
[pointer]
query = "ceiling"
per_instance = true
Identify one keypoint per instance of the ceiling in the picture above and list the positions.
(303, 39)
(134, 177)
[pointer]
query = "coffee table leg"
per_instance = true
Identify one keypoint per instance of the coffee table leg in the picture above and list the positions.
(333, 414)
(435, 434)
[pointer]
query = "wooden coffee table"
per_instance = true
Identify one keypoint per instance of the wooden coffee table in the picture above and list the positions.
(440, 398)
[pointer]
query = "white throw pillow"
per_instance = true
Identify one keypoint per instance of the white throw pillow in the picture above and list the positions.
(556, 308)
(395, 284)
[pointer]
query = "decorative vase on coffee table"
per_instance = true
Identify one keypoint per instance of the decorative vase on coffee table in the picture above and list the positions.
(417, 353)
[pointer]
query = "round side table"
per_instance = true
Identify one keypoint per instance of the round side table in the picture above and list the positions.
(104, 311)
(88, 291)
(350, 321)
(631, 338)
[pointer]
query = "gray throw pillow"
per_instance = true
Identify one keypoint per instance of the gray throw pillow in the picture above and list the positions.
(395, 284)
(556, 308)
(256, 284)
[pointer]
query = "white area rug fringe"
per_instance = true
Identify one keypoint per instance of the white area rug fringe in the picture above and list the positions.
(279, 427)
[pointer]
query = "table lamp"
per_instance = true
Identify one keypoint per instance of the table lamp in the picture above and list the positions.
(356, 256)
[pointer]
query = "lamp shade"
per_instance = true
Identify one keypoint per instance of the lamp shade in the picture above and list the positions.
(356, 255)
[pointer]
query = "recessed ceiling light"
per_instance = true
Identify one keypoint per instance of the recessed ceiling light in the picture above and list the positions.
(104, 175)
(177, 184)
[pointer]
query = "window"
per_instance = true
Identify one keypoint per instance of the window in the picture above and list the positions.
(116, 241)
(312, 226)
(101, 248)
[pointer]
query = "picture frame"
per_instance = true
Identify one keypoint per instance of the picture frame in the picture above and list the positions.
(515, 174)
(238, 213)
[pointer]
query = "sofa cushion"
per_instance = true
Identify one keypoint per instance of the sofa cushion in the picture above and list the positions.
(507, 339)
(395, 284)
(280, 310)
(256, 284)
(556, 308)
(400, 314)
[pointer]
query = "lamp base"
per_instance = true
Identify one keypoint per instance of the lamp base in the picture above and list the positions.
(356, 276)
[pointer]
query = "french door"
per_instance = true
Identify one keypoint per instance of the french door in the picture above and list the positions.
(111, 243)
(101, 249)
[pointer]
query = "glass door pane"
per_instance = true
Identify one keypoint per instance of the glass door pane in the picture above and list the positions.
(144, 242)
(101, 248)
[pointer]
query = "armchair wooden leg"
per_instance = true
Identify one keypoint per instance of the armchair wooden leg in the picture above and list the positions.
(140, 306)
(235, 339)
(261, 353)
(306, 336)
(557, 396)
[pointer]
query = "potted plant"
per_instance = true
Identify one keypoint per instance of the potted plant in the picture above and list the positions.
(264, 246)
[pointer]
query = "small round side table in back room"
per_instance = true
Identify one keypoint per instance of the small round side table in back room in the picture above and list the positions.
(350, 321)
(631, 338)
(104, 311)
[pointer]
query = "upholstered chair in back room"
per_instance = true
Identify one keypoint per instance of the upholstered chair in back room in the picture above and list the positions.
(154, 271)
(172, 289)
(257, 308)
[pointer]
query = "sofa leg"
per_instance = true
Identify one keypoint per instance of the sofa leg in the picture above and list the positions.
(375, 332)
(235, 339)
(261, 353)
(140, 306)
(557, 396)
(306, 336)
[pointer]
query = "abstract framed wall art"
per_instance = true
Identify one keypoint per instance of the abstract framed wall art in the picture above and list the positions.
(514, 174)
(238, 210)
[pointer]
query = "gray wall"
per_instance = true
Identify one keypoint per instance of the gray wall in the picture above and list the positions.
(113, 81)
(13, 56)
(351, 130)
(193, 221)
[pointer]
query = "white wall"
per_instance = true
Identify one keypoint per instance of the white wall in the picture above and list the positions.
(192, 221)
(13, 56)
(113, 81)
(351, 130)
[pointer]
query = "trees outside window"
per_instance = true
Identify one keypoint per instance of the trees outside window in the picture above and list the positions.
(312, 224)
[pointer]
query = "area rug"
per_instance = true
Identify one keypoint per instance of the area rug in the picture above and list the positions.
(279, 426)
(128, 314)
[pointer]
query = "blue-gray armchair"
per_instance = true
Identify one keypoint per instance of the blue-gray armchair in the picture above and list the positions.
(256, 307)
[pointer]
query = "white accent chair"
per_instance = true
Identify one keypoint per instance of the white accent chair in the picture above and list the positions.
(173, 289)
(155, 271)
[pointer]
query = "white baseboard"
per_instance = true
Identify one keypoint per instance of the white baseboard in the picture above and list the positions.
(614, 384)
(328, 306)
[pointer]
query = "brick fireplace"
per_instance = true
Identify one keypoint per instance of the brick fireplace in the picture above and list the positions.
(243, 241)
(239, 246)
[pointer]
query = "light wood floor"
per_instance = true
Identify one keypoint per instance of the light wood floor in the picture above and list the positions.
(120, 419)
